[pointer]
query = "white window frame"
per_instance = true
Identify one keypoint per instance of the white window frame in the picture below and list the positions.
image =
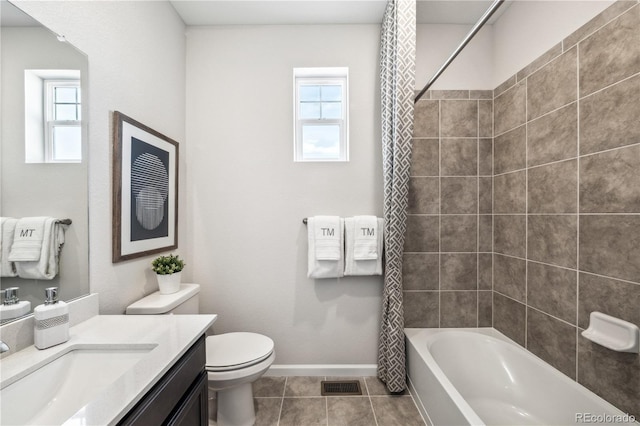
(321, 76)
(50, 123)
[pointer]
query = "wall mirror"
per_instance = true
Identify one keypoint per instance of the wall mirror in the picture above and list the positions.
(43, 148)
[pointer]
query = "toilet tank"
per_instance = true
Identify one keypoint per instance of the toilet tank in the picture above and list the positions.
(184, 301)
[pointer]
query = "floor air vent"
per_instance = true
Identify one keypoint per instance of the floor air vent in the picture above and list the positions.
(341, 387)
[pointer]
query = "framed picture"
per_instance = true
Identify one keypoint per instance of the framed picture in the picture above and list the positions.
(145, 190)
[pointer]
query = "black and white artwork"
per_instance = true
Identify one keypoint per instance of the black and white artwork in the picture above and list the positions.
(145, 190)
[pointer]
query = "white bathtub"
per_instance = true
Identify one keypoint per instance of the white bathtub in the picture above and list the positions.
(477, 376)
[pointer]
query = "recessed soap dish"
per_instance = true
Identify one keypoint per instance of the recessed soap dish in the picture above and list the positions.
(613, 333)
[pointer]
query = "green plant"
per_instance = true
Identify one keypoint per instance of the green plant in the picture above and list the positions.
(165, 265)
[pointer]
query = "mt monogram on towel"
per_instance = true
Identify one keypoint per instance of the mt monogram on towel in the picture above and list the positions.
(330, 257)
(31, 247)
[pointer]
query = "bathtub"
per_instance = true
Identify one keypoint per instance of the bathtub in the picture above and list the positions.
(477, 376)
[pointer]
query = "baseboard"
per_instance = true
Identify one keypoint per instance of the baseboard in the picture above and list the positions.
(336, 370)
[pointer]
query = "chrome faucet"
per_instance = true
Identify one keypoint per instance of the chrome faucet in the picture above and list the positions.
(11, 296)
(3, 347)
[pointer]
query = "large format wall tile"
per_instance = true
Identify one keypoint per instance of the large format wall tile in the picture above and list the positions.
(485, 157)
(485, 118)
(458, 271)
(510, 151)
(425, 157)
(459, 309)
(424, 195)
(426, 119)
(510, 276)
(485, 271)
(612, 297)
(510, 193)
(459, 195)
(609, 118)
(615, 376)
(458, 233)
(420, 271)
(553, 137)
(485, 195)
(509, 317)
(509, 234)
(553, 188)
(552, 340)
(553, 85)
(553, 290)
(552, 239)
(421, 308)
(600, 63)
(610, 245)
(485, 309)
(610, 181)
(422, 234)
(459, 157)
(459, 119)
(485, 233)
(509, 109)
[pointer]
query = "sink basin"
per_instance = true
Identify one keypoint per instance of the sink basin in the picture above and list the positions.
(16, 310)
(56, 391)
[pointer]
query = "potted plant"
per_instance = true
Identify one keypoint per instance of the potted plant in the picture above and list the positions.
(168, 270)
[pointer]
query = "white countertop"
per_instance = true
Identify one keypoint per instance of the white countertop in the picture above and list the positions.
(172, 336)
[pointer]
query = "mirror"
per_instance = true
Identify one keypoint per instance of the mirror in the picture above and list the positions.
(59, 189)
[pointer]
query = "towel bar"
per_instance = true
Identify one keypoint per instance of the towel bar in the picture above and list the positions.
(304, 220)
(64, 221)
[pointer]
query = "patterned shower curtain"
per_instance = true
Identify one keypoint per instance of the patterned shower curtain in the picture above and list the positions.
(397, 79)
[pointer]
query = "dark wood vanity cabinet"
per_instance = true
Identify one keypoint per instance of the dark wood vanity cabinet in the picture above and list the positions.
(179, 398)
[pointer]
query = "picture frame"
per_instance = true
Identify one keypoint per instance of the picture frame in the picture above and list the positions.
(145, 190)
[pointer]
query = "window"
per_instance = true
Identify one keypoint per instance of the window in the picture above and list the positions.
(53, 116)
(321, 131)
(63, 133)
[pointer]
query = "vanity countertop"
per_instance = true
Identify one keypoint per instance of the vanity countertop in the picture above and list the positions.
(169, 335)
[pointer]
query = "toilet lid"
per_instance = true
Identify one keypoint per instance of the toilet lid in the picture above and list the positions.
(230, 351)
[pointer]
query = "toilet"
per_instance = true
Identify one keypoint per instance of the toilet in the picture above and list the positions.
(234, 360)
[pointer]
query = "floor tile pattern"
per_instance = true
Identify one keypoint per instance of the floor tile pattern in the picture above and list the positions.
(296, 401)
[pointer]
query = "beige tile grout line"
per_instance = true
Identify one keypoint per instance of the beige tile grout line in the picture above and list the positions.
(439, 212)
(478, 214)
(284, 391)
(526, 211)
(375, 418)
(577, 204)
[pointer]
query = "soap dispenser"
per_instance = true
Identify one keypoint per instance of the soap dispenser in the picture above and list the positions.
(51, 321)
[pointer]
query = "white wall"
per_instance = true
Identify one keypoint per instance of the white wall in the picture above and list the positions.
(471, 70)
(247, 197)
(528, 29)
(136, 56)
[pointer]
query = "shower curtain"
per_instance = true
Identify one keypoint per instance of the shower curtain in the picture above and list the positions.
(397, 80)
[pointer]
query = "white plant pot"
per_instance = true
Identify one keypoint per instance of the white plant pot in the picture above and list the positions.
(169, 283)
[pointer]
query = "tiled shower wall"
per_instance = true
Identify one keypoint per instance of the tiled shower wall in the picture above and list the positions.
(565, 205)
(567, 201)
(447, 260)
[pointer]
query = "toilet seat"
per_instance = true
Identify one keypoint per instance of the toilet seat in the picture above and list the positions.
(234, 351)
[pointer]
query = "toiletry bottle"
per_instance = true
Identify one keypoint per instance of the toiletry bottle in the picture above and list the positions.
(51, 321)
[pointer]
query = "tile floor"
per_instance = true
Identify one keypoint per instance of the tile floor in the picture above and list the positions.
(296, 401)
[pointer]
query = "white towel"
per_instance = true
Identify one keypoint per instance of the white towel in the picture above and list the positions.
(354, 266)
(45, 267)
(326, 245)
(8, 225)
(365, 246)
(327, 237)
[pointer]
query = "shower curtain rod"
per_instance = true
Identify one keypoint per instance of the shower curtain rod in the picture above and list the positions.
(483, 19)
